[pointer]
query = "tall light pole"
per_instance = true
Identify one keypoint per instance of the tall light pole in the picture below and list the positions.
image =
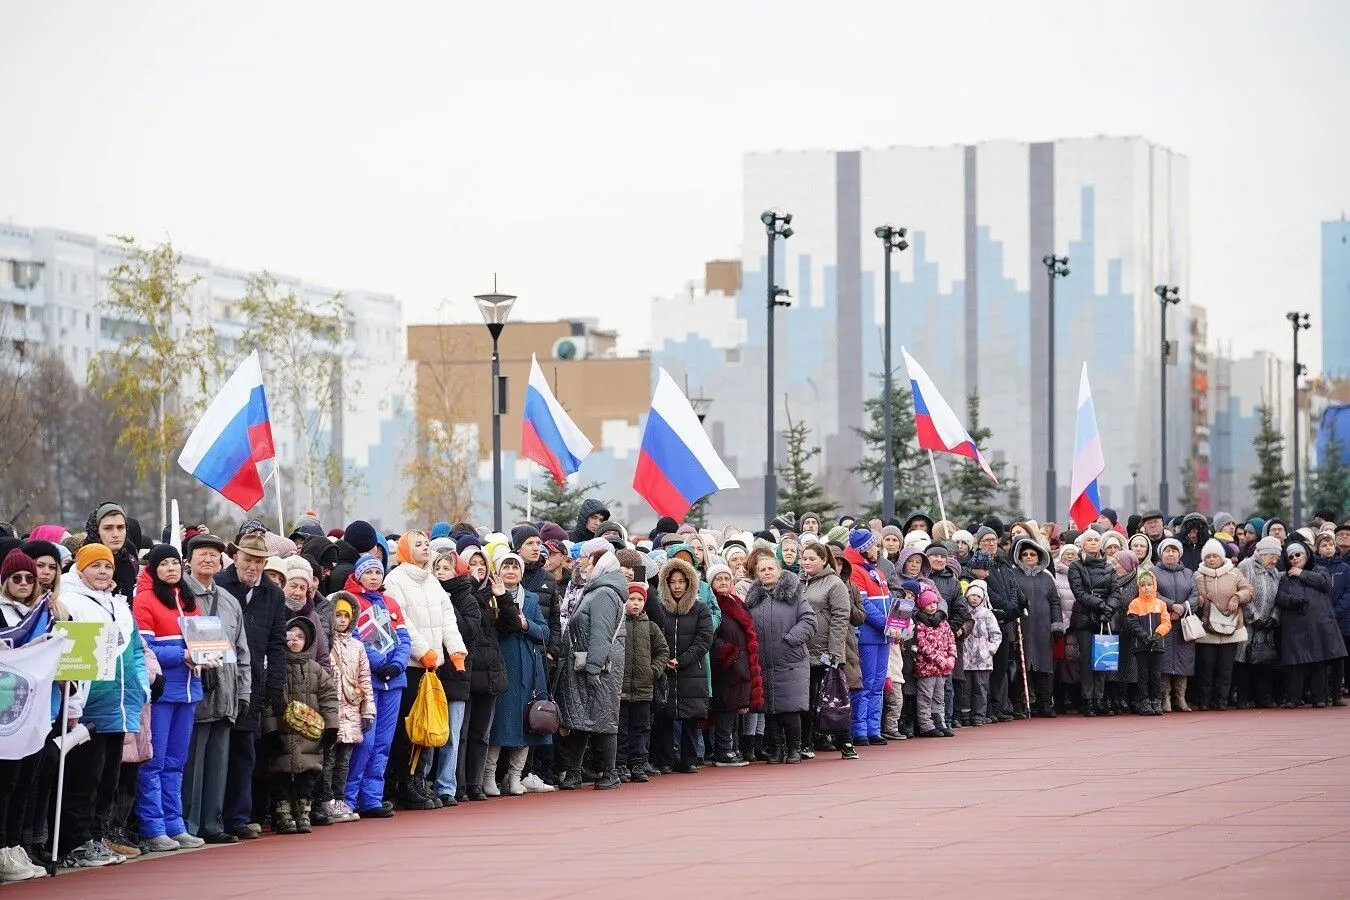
(892, 239)
(496, 308)
(1168, 295)
(1300, 323)
(1055, 267)
(775, 227)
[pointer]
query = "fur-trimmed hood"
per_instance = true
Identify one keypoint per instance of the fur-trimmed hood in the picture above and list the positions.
(691, 593)
(787, 590)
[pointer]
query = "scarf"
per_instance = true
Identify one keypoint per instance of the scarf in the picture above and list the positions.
(1265, 584)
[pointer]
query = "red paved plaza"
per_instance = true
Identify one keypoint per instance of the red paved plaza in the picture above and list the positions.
(1235, 804)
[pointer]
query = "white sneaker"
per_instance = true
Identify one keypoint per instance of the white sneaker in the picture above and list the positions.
(22, 856)
(12, 868)
(187, 841)
(536, 785)
(490, 786)
(513, 786)
(161, 844)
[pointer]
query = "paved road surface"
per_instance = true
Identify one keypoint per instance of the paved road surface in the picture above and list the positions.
(1189, 805)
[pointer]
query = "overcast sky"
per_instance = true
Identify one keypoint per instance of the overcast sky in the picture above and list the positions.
(590, 153)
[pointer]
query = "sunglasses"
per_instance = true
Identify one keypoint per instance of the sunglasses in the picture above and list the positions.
(22, 578)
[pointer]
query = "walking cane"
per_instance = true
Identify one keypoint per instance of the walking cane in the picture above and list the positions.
(1022, 658)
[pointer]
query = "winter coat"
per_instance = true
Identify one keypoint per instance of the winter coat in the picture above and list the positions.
(784, 623)
(738, 680)
(523, 658)
(983, 640)
(1042, 597)
(705, 596)
(579, 534)
(958, 613)
(140, 746)
(935, 647)
(1145, 617)
(1219, 586)
(308, 682)
(322, 622)
(430, 616)
(596, 629)
(852, 659)
(488, 674)
(469, 621)
(115, 705)
(1190, 552)
(645, 654)
(875, 597)
(1125, 591)
(1263, 625)
(350, 670)
(1339, 570)
(1006, 600)
(1092, 583)
(689, 634)
(163, 636)
(1065, 592)
(544, 586)
(377, 604)
(829, 598)
(265, 626)
(1177, 585)
(1308, 629)
(226, 686)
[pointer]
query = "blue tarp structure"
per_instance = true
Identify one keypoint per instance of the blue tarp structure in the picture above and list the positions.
(1335, 419)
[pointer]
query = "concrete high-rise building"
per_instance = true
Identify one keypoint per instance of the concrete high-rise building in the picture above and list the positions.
(1335, 317)
(1240, 387)
(970, 302)
(51, 285)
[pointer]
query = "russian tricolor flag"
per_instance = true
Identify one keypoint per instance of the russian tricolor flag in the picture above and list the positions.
(548, 435)
(233, 436)
(1088, 461)
(938, 427)
(677, 465)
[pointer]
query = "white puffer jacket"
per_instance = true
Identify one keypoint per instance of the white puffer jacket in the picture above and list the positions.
(428, 612)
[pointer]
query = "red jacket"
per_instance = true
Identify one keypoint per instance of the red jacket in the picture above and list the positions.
(864, 575)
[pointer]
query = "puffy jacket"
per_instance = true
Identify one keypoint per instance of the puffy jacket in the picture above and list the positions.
(875, 598)
(544, 586)
(1339, 570)
(935, 646)
(163, 635)
(784, 623)
(431, 620)
(307, 682)
(645, 655)
(383, 608)
(350, 669)
(689, 635)
(738, 680)
(828, 596)
(115, 705)
(488, 675)
(983, 640)
(1218, 586)
(1006, 600)
(469, 621)
(1092, 583)
(1308, 630)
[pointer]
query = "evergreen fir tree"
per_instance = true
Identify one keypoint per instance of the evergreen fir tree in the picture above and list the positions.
(698, 513)
(1190, 488)
(1271, 483)
(1329, 483)
(798, 491)
(552, 503)
(913, 482)
(971, 494)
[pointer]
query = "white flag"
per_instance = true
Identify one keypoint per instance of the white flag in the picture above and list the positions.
(26, 675)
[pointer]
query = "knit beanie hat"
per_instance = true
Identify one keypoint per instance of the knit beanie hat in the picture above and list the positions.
(1145, 573)
(365, 564)
(522, 533)
(275, 564)
(1212, 546)
(593, 546)
(90, 554)
(637, 588)
(910, 586)
(361, 535)
(980, 560)
(297, 567)
(439, 530)
(892, 530)
(717, 569)
(157, 555)
(979, 587)
(17, 561)
(964, 537)
(918, 539)
(1173, 542)
(629, 558)
(1268, 545)
(1295, 547)
(551, 531)
(343, 600)
(36, 549)
(861, 539)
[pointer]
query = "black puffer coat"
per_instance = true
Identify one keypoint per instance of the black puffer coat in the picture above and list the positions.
(1006, 600)
(469, 619)
(688, 628)
(545, 587)
(1308, 630)
(265, 625)
(1190, 550)
(1092, 583)
(1043, 613)
(488, 674)
(579, 534)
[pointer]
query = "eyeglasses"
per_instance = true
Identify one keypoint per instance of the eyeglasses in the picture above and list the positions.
(22, 578)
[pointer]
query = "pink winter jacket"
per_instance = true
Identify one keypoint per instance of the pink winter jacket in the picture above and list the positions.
(137, 748)
(936, 644)
(356, 697)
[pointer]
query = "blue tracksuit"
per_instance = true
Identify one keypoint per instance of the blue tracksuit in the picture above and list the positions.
(365, 782)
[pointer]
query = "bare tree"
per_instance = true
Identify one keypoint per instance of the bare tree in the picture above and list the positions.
(444, 456)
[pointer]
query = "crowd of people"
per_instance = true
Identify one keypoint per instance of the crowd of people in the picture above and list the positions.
(589, 655)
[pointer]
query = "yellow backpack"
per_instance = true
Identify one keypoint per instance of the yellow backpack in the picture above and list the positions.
(428, 721)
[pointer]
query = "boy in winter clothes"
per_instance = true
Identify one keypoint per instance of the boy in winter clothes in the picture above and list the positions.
(979, 647)
(936, 657)
(1148, 622)
(381, 626)
(294, 760)
(350, 669)
(645, 656)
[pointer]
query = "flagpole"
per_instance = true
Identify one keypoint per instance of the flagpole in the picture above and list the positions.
(942, 509)
(60, 775)
(281, 520)
(529, 493)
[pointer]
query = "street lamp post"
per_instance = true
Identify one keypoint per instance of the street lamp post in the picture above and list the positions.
(892, 239)
(496, 308)
(1055, 267)
(775, 226)
(1168, 295)
(1300, 323)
